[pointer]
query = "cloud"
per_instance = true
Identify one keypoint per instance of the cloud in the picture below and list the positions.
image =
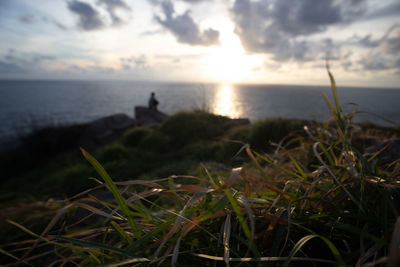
(389, 42)
(385, 51)
(17, 62)
(196, 1)
(112, 6)
(54, 22)
(281, 28)
(184, 28)
(88, 18)
(386, 11)
(133, 62)
(379, 61)
(91, 70)
(150, 33)
(27, 59)
(31, 19)
(27, 18)
(6, 67)
(175, 59)
(5, 3)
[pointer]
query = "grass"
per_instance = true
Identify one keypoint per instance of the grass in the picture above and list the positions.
(315, 199)
(140, 152)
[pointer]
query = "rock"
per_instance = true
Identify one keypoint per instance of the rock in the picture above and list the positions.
(104, 130)
(146, 116)
(390, 151)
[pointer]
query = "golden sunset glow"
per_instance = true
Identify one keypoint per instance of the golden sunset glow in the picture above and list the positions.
(228, 63)
(225, 102)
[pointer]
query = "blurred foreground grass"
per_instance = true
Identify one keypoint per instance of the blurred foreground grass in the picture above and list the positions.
(288, 192)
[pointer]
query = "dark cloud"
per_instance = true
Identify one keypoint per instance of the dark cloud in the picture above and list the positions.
(367, 41)
(184, 28)
(88, 17)
(112, 6)
(391, 42)
(388, 43)
(280, 27)
(133, 62)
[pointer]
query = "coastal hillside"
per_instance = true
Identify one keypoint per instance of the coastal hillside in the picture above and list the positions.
(195, 187)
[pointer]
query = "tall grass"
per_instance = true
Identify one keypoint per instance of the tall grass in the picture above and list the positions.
(315, 201)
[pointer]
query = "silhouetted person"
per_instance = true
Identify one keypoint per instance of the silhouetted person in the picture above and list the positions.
(153, 102)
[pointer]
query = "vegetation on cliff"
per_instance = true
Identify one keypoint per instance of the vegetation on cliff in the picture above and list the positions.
(287, 192)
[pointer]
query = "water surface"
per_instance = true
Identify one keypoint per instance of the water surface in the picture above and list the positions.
(27, 105)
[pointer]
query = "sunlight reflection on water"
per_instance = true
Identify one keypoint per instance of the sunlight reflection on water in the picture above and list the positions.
(225, 102)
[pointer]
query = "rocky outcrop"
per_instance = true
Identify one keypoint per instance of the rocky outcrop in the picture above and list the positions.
(104, 130)
(146, 116)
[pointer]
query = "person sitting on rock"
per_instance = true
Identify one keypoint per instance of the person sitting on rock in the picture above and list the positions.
(153, 102)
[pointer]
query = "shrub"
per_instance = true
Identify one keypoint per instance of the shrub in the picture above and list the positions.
(174, 168)
(70, 180)
(274, 130)
(187, 127)
(203, 151)
(234, 141)
(113, 152)
(134, 136)
(155, 141)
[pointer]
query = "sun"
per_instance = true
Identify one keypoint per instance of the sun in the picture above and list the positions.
(228, 63)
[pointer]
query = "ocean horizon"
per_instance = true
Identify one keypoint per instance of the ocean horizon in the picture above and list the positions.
(26, 105)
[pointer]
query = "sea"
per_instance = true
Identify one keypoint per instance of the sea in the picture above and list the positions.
(26, 106)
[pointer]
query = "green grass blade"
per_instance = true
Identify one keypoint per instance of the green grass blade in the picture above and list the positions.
(14, 257)
(89, 244)
(242, 221)
(262, 259)
(276, 165)
(126, 262)
(305, 239)
(121, 231)
(336, 178)
(299, 169)
(355, 230)
(334, 89)
(26, 230)
(335, 252)
(113, 188)
(331, 107)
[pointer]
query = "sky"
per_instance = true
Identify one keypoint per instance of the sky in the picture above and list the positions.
(223, 41)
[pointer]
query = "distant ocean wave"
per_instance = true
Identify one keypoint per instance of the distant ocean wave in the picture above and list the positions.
(26, 105)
